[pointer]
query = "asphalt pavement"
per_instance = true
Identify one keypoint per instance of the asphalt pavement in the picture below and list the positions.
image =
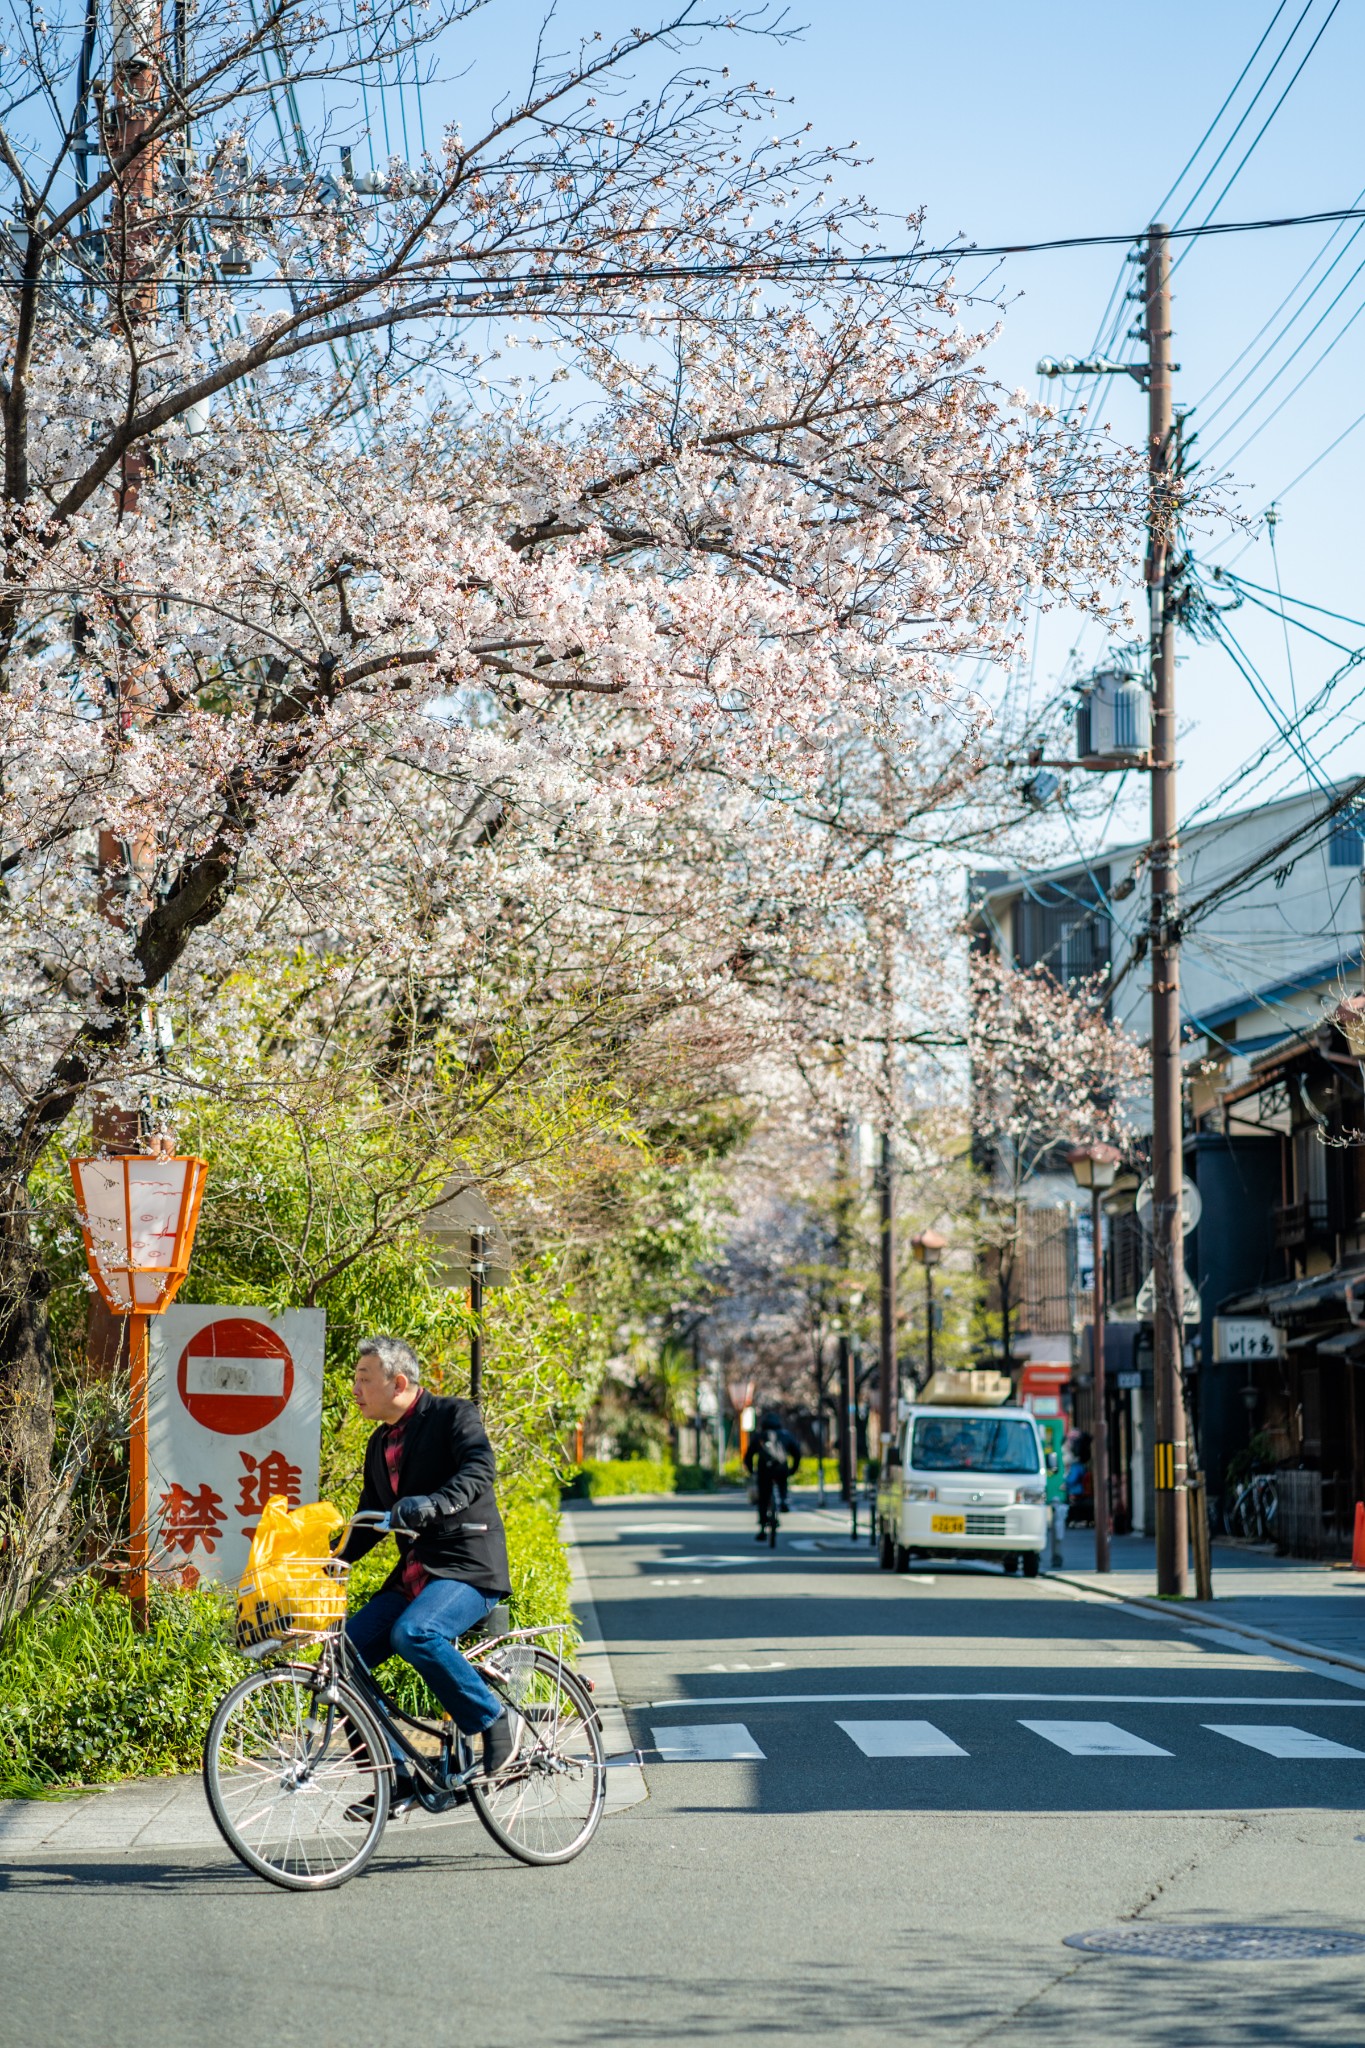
(880, 1808)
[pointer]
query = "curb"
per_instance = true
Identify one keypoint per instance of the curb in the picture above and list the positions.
(1178, 1611)
(626, 1785)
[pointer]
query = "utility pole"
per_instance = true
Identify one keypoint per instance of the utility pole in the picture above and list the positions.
(1168, 1255)
(132, 244)
(886, 1375)
(1163, 930)
(478, 1272)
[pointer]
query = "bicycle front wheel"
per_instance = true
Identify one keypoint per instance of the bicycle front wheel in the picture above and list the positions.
(545, 1803)
(299, 1789)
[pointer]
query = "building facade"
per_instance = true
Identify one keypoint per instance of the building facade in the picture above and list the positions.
(1274, 1146)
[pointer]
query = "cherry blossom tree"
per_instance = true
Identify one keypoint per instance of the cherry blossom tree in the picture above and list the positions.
(1049, 1070)
(318, 627)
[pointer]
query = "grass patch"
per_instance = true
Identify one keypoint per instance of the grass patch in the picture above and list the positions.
(86, 1698)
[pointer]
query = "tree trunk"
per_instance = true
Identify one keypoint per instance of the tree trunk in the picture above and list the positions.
(28, 1528)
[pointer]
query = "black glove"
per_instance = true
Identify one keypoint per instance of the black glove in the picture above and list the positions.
(416, 1511)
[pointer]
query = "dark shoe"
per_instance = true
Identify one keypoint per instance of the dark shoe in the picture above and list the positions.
(362, 1810)
(500, 1741)
(761, 1536)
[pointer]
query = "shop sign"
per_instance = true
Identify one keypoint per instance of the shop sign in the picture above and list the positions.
(1242, 1340)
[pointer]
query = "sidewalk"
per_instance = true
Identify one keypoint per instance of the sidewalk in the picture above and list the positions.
(1299, 1605)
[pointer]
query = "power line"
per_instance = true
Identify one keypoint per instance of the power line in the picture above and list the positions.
(1247, 112)
(1271, 381)
(1300, 280)
(1278, 104)
(1188, 165)
(516, 287)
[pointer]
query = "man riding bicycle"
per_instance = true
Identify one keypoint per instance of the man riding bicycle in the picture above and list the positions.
(772, 1458)
(429, 1465)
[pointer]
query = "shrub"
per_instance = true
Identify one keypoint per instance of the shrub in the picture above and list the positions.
(85, 1697)
(694, 1479)
(599, 1478)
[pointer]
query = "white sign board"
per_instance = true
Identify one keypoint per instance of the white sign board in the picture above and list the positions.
(234, 1415)
(1241, 1340)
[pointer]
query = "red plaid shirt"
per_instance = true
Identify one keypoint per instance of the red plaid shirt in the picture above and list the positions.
(413, 1575)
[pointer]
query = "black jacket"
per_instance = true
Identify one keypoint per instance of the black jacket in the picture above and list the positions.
(770, 1456)
(447, 1458)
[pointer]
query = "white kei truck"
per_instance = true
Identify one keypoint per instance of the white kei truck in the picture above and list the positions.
(966, 1477)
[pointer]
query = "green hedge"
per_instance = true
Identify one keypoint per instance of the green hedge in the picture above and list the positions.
(695, 1479)
(598, 1478)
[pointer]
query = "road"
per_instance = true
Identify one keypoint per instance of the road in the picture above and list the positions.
(878, 1807)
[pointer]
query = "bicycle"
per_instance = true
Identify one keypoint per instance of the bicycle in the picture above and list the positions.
(769, 1522)
(1252, 1514)
(300, 1757)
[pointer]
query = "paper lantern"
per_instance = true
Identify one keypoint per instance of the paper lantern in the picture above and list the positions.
(138, 1215)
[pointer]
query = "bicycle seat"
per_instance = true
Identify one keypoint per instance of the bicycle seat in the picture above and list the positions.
(496, 1622)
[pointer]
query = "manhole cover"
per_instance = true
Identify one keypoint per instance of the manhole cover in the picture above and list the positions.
(1219, 1944)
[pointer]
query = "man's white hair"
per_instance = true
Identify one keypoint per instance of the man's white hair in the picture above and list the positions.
(394, 1357)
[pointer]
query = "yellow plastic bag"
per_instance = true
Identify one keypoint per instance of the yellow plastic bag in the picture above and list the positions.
(291, 1585)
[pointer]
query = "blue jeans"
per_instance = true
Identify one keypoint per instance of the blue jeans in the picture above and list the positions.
(423, 1632)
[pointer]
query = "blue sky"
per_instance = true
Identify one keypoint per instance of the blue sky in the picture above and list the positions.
(1010, 122)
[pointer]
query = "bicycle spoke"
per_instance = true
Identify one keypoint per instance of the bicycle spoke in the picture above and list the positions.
(285, 1779)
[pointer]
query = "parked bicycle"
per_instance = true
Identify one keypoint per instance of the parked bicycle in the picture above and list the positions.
(300, 1757)
(1253, 1510)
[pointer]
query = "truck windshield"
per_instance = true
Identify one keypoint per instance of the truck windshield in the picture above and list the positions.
(973, 1443)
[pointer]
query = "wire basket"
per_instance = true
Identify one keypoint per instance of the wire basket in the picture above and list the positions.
(299, 1596)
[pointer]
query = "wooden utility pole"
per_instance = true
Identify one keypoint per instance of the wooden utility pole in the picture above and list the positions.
(134, 290)
(1168, 1260)
(886, 1244)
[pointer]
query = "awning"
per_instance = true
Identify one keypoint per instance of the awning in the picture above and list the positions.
(1294, 1297)
(1346, 1344)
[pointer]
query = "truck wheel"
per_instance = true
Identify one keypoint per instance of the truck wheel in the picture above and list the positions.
(902, 1558)
(885, 1551)
(1009, 1563)
(1032, 1563)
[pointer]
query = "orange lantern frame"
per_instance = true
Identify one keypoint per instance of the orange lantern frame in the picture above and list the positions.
(116, 1251)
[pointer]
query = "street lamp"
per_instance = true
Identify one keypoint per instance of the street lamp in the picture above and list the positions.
(138, 1216)
(929, 1248)
(1095, 1167)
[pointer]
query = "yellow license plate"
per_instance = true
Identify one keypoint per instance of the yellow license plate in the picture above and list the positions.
(948, 1525)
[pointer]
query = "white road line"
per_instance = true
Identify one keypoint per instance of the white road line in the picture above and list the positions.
(901, 1738)
(1061, 1699)
(1286, 1742)
(719, 1742)
(1093, 1738)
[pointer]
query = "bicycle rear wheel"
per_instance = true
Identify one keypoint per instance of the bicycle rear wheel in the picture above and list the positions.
(545, 1803)
(299, 1789)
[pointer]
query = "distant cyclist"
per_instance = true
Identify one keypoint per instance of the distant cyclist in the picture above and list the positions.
(772, 1458)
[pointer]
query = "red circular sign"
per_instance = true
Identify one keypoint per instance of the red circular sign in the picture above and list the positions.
(235, 1376)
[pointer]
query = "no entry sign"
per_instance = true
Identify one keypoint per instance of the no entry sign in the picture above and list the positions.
(234, 1415)
(236, 1375)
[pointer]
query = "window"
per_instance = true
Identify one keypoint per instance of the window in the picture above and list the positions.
(973, 1443)
(1346, 848)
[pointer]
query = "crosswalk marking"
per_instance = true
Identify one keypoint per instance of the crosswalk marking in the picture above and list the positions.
(731, 1741)
(901, 1738)
(1093, 1738)
(714, 1742)
(1289, 1742)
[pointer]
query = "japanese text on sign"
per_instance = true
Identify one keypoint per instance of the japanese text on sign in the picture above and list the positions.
(1242, 1340)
